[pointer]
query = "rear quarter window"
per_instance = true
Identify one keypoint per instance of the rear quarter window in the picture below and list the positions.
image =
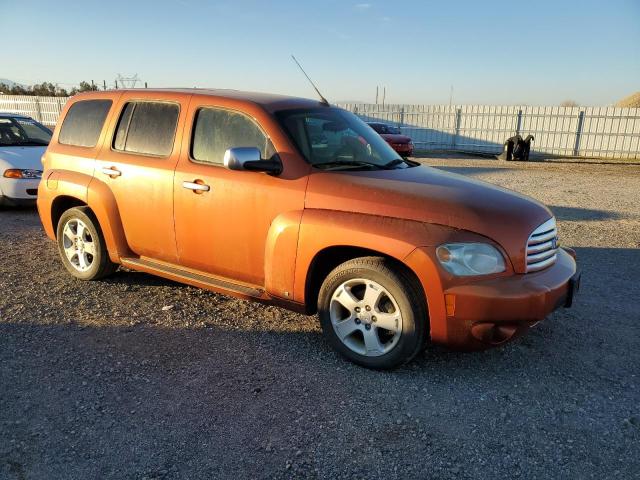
(83, 123)
(147, 128)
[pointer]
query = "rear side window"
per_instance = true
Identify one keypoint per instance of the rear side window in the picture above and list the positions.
(217, 130)
(148, 128)
(83, 123)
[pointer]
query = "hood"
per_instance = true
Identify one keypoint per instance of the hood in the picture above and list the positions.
(21, 157)
(425, 194)
(395, 138)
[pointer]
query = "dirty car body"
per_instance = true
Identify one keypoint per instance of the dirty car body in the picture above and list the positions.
(299, 204)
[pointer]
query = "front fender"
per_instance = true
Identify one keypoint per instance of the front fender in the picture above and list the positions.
(396, 238)
(422, 261)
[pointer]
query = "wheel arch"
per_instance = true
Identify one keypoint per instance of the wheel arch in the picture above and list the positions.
(103, 204)
(329, 258)
(61, 204)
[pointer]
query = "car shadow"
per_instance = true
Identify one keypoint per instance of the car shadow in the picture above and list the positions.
(471, 171)
(126, 277)
(583, 214)
(227, 397)
(18, 208)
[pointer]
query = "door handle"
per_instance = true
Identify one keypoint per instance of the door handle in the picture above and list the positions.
(111, 171)
(196, 187)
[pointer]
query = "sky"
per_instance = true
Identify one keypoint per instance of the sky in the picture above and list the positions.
(490, 52)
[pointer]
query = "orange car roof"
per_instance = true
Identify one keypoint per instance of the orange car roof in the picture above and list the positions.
(269, 101)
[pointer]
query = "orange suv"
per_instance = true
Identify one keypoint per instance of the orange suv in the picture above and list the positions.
(299, 204)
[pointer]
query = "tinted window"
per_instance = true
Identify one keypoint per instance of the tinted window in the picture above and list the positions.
(83, 123)
(217, 130)
(147, 127)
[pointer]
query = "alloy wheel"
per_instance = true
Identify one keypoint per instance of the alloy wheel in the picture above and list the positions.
(365, 316)
(78, 244)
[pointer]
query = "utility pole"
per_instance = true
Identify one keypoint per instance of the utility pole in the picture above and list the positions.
(116, 84)
(376, 94)
(451, 96)
(128, 82)
(104, 84)
(384, 95)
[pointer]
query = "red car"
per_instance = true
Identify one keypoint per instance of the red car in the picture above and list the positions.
(400, 143)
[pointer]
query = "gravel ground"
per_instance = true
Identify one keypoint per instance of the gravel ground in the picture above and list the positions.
(137, 377)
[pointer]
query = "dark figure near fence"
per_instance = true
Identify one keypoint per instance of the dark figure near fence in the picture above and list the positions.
(515, 148)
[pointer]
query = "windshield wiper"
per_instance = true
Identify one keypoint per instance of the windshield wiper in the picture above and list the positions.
(349, 163)
(393, 163)
(398, 161)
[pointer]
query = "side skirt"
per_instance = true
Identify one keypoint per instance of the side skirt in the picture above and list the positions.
(207, 281)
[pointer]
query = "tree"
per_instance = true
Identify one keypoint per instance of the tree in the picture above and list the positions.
(632, 101)
(569, 103)
(84, 87)
(46, 89)
(13, 90)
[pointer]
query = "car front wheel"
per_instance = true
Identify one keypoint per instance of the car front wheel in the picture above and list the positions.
(373, 312)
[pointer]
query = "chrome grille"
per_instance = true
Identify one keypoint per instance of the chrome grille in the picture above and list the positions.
(542, 246)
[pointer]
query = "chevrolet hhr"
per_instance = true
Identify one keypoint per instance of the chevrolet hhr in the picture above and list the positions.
(299, 204)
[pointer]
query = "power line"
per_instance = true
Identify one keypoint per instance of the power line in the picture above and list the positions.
(127, 82)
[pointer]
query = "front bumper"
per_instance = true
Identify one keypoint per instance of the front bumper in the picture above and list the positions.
(491, 312)
(486, 313)
(22, 191)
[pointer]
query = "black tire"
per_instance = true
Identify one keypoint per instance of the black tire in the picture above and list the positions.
(100, 264)
(408, 296)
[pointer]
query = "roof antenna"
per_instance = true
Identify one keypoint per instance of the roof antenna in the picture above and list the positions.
(322, 99)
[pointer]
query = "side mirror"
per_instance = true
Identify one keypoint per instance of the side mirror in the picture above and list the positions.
(250, 159)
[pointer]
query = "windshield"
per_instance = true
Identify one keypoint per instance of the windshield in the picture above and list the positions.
(337, 139)
(23, 132)
(383, 128)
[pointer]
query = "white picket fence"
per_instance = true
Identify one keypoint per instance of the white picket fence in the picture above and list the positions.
(46, 110)
(598, 132)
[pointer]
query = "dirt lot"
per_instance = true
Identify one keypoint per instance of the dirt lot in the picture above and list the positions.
(136, 377)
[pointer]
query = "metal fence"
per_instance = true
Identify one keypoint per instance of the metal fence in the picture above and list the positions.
(46, 110)
(600, 132)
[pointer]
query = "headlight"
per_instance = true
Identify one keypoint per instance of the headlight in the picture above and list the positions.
(19, 173)
(466, 259)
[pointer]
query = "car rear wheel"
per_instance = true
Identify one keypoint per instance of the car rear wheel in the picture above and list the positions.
(81, 245)
(372, 312)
